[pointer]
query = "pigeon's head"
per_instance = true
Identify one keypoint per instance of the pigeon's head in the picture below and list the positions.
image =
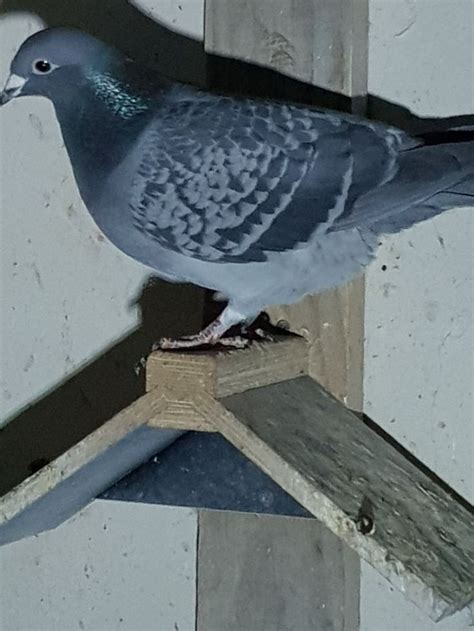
(48, 57)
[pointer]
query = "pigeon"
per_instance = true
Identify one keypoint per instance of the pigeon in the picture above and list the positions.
(260, 201)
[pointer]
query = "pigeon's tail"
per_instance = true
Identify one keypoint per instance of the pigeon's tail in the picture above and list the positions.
(431, 178)
(458, 194)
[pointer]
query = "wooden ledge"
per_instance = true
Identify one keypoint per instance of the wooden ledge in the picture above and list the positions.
(64, 486)
(369, 493)
(180, 377)
(224, 372)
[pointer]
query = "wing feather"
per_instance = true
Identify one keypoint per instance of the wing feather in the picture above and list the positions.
(231, 179)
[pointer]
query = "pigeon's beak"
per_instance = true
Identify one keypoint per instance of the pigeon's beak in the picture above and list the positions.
(13, 88)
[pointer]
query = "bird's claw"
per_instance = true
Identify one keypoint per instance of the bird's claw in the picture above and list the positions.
(261, 335)
(197, 341)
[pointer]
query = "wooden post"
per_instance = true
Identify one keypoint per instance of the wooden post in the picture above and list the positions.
(323, 42)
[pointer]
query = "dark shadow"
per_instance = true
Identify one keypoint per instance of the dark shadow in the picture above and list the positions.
(205, 471)
(124, 26)
(402, 117)
(60, 419)
(233, 75)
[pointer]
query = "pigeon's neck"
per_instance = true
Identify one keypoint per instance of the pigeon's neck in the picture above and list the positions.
(99, 130)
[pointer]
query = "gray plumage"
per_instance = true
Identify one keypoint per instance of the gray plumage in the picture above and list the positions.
(262, 201)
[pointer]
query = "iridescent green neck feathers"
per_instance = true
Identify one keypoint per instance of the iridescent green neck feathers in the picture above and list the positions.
(117, 95)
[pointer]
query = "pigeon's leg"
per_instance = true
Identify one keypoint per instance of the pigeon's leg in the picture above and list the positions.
(211, 335)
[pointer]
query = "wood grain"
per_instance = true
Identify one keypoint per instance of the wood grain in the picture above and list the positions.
(333, 324)
(318, 41)
(221, 373)
(69, 482)
(272, 574)
(420, 536)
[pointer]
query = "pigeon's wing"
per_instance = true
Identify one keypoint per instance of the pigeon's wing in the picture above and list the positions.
(226, 179)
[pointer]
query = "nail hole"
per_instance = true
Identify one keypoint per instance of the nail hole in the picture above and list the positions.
(365, 525)
(365, 521)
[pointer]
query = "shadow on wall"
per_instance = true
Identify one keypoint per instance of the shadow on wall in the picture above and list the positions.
(91, 397)
(77, 407)
(124, 26)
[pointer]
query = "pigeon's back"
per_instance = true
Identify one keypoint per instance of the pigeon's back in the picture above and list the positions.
(230, 179)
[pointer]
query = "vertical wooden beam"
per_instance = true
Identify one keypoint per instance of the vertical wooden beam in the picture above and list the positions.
(323, 42)
(265, 572)
(333, 323)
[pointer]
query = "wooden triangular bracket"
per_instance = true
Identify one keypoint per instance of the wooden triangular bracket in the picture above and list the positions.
(179, 378)
(414, 531)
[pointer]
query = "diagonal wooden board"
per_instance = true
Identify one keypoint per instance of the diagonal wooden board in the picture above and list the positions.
(420, 536)
(64, 486)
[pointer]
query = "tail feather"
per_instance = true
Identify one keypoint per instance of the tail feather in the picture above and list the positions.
(430, 179)
(417, 214)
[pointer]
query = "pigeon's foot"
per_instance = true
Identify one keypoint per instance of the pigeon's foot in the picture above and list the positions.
(198, 341)
(260, 330)
(210, 336)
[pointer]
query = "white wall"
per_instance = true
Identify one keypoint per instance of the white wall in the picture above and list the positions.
(419, 312)
(421, 54)
(114, 566)
(183, 17)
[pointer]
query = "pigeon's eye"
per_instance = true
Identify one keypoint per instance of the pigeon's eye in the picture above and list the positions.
(41, 66)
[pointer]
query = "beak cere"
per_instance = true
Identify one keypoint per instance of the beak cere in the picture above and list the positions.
(13, 88)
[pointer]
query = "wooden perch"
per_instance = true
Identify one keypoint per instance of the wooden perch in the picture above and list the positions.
(385, 507)
(180, 376)
(364, 489)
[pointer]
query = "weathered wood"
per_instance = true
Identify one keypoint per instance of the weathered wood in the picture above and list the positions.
(333, 324)
(222, 373)
(69, 482)
(180, 412)
(418, 535)
(323, 42)
(273, 573)
(178, 376)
